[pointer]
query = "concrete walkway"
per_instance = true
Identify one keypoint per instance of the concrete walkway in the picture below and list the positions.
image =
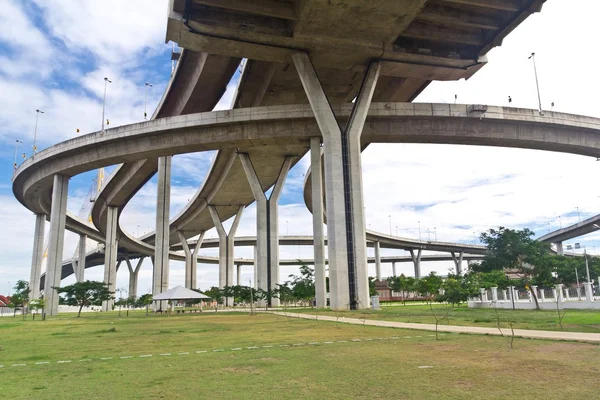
(523, 333)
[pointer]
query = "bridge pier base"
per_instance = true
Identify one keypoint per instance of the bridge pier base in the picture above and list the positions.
(110, 254)
(348, 273)
(38, 256)
(394, 268)
(160, 275)
(317, 217)
(133, 276)
(417, 262)
(458, 262)
(267, 226)
(226, 248)
(191, 260)
(58, 217)
(559, 248)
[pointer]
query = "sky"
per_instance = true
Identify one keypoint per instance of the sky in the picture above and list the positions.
(55, 54)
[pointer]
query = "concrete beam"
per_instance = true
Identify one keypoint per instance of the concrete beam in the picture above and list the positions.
(317, 216)
(37, 256)
(160, 279)
(267, 8)
(58, 214)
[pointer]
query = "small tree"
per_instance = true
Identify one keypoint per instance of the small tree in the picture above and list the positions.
(20, 297)
(144, 301)
(86, 293)
(36, 305)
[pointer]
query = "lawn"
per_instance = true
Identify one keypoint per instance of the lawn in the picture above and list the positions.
(106, 356)
(574, 320)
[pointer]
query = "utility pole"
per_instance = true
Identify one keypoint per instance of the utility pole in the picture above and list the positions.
(35, 130)
(16, 150)
(146, 98)
(587, 266)
(390, 218)
(532, 57)
(435, 233)
(106, 80)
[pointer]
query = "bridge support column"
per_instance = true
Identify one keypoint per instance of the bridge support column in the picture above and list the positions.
(38, 256)
(255, 270)
(348, 273)
(191, 259)
(317, 216)
(267, 226)
(110, 254)
(133, 276)
(238, 274)
(226, 248)
(394, 269)
(79, 265)
(160, 276)
(58, 216)
(458, 262)
(417, 262)
(559, 248)
(377, 261)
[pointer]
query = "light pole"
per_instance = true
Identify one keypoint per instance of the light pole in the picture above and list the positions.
(428, 235)
(587, 266)
(287, 229)
(435, 233)
(146, 98)
(8, 288)
(390, 219)
(106, 80)
(578, 216)
(17, 142)
(532, 56)
(37, 114)
(396, 230)
(419, 231)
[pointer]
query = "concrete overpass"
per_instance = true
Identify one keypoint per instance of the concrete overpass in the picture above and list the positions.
(298, 52)
(579, 229)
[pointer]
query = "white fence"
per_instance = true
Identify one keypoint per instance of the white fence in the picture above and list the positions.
(586, 297)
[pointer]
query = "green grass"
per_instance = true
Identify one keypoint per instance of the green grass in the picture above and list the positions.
(574, 320)
(463, 366)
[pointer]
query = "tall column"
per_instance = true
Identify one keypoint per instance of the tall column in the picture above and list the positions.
(160, 278)
(38, 256)
(267, 225)
(226, 248)
(133, 276)
(110, 254)
(589, 294)
(255, 284)
(58, 216)
(191, 259)
(80, 270)
(317, 216)
(417, 262)
(394, 268)
(377, 261)
(348, 272)
(559, 249)
(458, 261)
(238, 274)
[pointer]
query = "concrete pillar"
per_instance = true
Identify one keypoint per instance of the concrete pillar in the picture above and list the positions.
(160, 276)
(80, 269)
(37, 256)
(578, 293)
(559, 249)
(58, 216)
(238, 274)
(394, 268)
(133, 276)
(567, 297)
(589, 294)
(505, 293)
(542, 296)
(110, 254)
(482, 294)
(494, 294)
(267, 225)
(458, 262)
(532, 291)
(559, 293)
(317, 215)
(417, 262)
(377, 260)
(191, 259)
(348, 273)
(255, 285)
(226, 248)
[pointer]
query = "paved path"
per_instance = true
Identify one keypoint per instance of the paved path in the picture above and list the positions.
(524, 333)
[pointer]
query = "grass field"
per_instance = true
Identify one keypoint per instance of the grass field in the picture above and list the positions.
(462, 366)
(574, 320)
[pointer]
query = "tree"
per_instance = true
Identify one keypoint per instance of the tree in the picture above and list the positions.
(216, 294)
(303, 286)
(458, 289)
(86, 293)
(20, 297)
(144, 301)
(36, 305)
(429, 285)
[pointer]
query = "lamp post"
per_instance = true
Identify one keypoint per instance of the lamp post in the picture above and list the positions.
(37, 114)
(390, 219)
(532, 57)
(17, 142)
(146, 98)
(106, 80)
(419, 231)
(578, 216)
(287, 228)
(435, 233)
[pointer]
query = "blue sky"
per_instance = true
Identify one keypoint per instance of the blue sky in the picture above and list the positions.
(55, 54)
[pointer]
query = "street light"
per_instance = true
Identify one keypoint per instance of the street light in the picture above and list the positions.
(37, 114)
(287, 228)
(145, 98)
(532, 57)
(106, 80)
(419, 231)
(578, 216)
(17, 142)
(435, 233)
(390, 219)
(9, 288)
